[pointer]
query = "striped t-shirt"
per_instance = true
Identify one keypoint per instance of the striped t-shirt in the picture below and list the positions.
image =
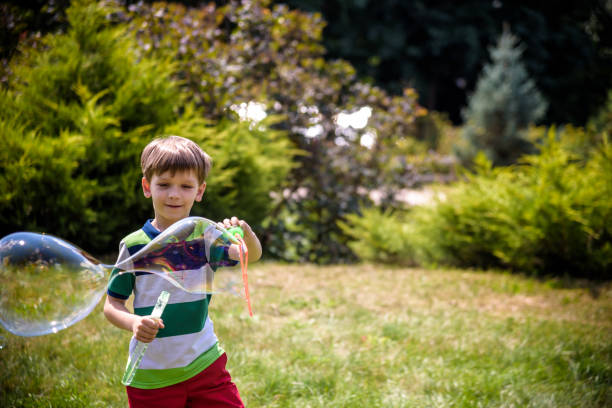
(188, 344)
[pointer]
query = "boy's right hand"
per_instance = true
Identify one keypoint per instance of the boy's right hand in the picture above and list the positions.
(145, 328)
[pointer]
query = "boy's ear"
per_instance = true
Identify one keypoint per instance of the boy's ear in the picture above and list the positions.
(146, 187)
(201, 189)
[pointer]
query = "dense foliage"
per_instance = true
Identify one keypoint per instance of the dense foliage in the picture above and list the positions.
(551, 214)
(439, 47)
(247, 53)
(80, 107)
(119, 76)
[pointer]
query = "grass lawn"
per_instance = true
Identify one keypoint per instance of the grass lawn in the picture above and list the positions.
(360, 335)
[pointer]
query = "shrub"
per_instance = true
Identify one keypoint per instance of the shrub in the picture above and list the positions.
(254, 51)
(78, 110)
(549, 215)
(381, 236)
(74, 139)
(38, 182)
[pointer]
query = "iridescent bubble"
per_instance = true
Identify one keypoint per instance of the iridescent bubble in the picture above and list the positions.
(184, 255)
(48, 284)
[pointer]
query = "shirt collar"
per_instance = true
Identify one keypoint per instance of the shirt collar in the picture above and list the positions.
(150, 230)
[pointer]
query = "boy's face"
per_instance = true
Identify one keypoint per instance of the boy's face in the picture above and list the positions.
(173, 195)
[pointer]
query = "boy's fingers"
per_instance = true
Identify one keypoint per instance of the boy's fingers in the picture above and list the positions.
(147, 330)
(145, 334)
(232, 222)
(149, 322)
(153, 323)
(145, 338)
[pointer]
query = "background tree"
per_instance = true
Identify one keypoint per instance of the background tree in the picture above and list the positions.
(234, 54)
(244, 54)
(438, 47)
(502, 107)
(115, 77)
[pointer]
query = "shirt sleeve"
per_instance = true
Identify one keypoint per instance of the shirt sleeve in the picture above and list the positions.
(121, 285)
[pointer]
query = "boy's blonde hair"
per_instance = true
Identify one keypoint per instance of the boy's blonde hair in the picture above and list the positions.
(174, 153)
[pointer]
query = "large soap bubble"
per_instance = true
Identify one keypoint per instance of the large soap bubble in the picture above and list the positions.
(48, 284)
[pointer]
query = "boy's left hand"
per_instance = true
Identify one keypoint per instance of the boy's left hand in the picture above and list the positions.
(235, 222)
(250, 239)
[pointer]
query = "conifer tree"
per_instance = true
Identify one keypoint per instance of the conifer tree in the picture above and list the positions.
(504, 104)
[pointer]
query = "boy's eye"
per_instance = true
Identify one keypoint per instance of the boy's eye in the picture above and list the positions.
(186, 186)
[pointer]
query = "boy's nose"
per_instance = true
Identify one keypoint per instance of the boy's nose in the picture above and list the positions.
(173, 193)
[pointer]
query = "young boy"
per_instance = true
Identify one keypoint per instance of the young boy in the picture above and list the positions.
(184, 364)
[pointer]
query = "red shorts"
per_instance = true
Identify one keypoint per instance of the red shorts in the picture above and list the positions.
(213, 387)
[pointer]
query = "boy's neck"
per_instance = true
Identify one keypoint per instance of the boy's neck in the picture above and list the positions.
(160, 226)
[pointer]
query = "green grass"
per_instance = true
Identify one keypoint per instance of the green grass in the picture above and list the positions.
(362, 335)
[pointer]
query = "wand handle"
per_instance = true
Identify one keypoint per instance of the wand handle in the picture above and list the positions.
(139, 350)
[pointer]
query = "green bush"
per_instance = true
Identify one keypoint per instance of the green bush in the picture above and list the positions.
(37, 182)
(549, 215)
(79, 97)
(100, 58)
(381, 236)
(257, 51)
(79, 108)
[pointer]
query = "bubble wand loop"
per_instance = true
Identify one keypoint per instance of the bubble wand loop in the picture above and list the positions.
(244, 263)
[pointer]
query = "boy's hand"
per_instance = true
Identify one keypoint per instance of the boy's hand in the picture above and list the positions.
(250, 239)
(145, 328)
(235, 222)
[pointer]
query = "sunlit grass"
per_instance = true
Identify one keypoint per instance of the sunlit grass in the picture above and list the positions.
(350, 336)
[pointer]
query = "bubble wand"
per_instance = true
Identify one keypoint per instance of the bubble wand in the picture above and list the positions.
(136, 357)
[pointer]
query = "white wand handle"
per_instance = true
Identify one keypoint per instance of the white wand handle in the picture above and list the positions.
(139, 350)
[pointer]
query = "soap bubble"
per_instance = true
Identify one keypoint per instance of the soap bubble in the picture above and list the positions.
(48, 284)
(184, 254)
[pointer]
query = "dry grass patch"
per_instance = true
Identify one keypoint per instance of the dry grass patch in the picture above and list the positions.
(387, 290)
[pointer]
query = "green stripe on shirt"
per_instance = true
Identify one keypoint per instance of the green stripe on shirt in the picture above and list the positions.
(149, 379)
(178, 317)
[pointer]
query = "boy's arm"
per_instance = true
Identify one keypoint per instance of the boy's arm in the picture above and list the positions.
(250, 239)
(144, 328)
